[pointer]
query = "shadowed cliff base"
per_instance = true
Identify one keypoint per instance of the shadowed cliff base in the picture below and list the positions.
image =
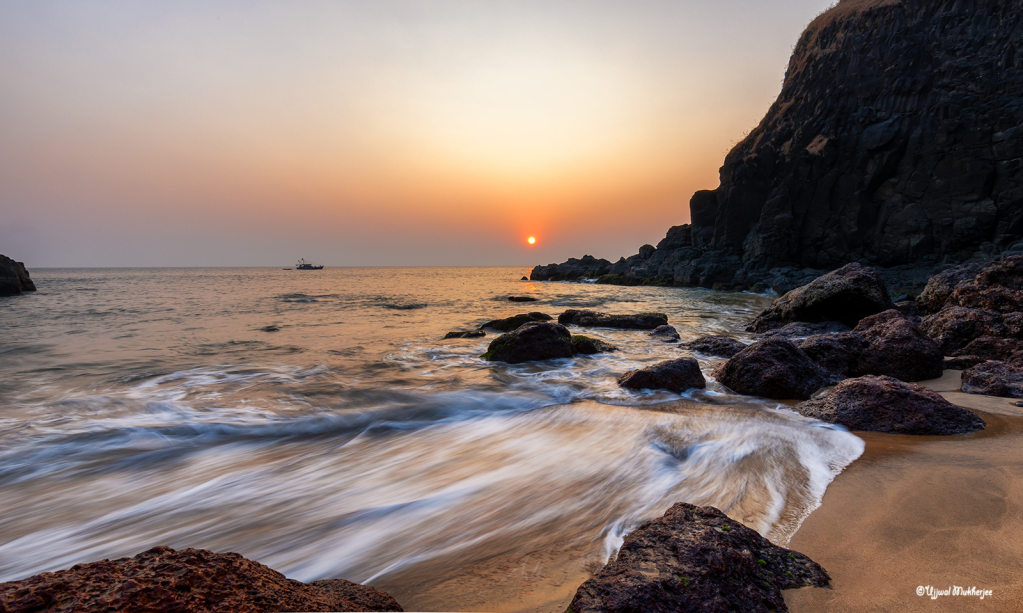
(896, 141)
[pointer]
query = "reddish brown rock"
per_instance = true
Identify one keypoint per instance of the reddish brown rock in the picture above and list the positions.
(940, 287)
(885, 404)
(897, 348)
(773, 368)
(846, 295)
(997, 287)
(838, 353)
(954, 327)
(991, 348)
(803, 330)
(674, 375)
(962, 362)
(994, 379)
(696, 559)
(717, 346)
(186, 581)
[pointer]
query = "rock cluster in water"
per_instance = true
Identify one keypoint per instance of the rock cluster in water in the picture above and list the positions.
(696, 559)
(14, 278)
(185, 581)
(896, 141)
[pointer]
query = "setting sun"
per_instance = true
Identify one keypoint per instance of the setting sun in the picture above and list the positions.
(532, 239)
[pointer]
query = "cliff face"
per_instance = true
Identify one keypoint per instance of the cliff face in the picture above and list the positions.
(897, 139)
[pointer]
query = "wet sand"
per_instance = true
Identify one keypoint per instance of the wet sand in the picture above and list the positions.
(924, 511)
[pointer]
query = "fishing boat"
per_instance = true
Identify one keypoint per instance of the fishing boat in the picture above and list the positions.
(303, 265)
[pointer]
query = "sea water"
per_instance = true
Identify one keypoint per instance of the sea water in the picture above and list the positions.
(316, 421)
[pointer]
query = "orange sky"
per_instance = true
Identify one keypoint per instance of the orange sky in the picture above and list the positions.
(373, 133)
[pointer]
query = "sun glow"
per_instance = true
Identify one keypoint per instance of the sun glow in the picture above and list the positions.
(532, 239)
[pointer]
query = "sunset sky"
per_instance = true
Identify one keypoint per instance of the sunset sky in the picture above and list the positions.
(380, 132)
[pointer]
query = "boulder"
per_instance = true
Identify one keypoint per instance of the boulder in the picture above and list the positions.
(838, 353)
(897, 348)
(997, 287)
(804, 330)
(696, 559)
(846, 295)
(14, 278)
(521, 299)
(962, 362)
(773, 368)
(885, 404)
(991, 348)
(954, 327)
(587, 345)
(715, 345)
(667, 334)
(465, 334)
(510, 323)
(531, 342)
(675, 375)
(185, 581)
(593, 319)
(940, 286)
(994, 379)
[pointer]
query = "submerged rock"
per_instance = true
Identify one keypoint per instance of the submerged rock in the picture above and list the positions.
(521, 299)
(587, 345)
(673, 375)
(846, 295)
(593, 319)
(885, 404)
(510, 323)
(666, 333)
(186, 581)
(531, 342)
(14, 278)
(773, 368)
(717, 346)
(696, 559)
(897, 348)
(994, 379)
(465, 334)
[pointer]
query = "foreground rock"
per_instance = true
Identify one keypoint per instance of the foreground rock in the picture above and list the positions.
(593, 319)
(897, 348)
(717, 346)
(846, 295)
(963, 362)
(187, 581)
(14, 278)
(885, 404)
(674, 375)
(696, 559)
(587, 345)
(773, 368)
(994, 379)
(510, 323)
(838, 353)
(531, 342)
(666, 333)
(955, 327)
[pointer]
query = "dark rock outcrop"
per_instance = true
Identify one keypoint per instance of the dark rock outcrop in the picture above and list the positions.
(962, 362)
(955, 327)
(716, 345)
(896, 140)
(673, 375)
(465, 334)
(696, 559)
(994, 379)
(531, 342)
(773, 368)
(940, 286)
(14, 278)
(991, 348)
(838, 353)
(588, 267)
(185, 581)
(998, 287)
(846, 295)
(805, 330)
(593, 319)
(885, 404)
(521, 299)
(666, 333)
(587, 345)
(510, 323)
(897, 348)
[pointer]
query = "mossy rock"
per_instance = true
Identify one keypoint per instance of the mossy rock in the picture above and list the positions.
(587, 345)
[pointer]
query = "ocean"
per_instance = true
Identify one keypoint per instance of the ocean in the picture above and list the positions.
(316, 421)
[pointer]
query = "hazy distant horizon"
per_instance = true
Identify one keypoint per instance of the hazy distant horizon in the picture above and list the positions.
(390, 133)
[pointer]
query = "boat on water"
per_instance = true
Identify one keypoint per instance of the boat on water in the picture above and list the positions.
(303, 265)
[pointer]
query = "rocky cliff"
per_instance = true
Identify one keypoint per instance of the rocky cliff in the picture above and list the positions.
(14, 278)
(896, 141)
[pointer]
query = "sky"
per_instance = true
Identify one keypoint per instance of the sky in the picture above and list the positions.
(371, 133)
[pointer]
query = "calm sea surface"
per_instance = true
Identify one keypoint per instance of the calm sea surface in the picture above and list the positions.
(159, 406)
